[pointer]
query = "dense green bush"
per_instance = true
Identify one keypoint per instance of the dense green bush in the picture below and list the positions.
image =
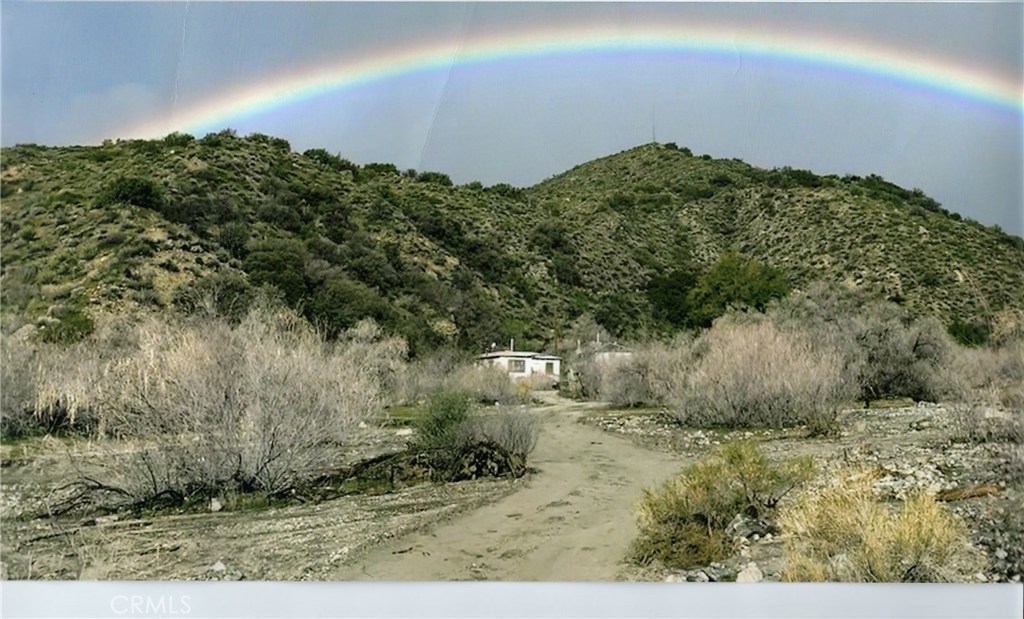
(132, 190)
(444, 423)
(280, 263)
(969, 333)
(226, 294)
(669, 295)
(233, 237)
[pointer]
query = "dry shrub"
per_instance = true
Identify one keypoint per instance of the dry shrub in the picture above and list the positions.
(883, 349)
(451, 371)
(18, 385)
(844, 533)
(988, 384)
(900, 357)
(419, 379)
(512, 428)
(643, 379)
(219, 408)
(759, 375)
(683, 522)
(484, 383)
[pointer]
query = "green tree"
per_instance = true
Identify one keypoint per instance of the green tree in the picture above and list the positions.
(734, 281)
(669, 295)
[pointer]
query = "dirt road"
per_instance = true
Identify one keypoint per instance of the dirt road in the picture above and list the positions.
(573, 520)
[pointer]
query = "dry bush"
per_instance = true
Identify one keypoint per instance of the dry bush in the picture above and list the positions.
(417, 380)
(844, 533)
(683, 522)
(19, 361)
(452, 371)
(988, 385)
(512, 428)
(901, 358)
(219, 408)
(484, 383)
(885, 351)
(643, 379)
(69, 383)
(759, 375)
(647, 376)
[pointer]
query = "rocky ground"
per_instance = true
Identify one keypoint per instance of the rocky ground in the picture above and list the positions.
(910, 447)
(570, 518)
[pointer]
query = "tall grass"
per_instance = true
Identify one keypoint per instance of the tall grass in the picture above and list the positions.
(844, 533)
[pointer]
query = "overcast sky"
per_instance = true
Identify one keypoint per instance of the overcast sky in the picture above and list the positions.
(77, 73)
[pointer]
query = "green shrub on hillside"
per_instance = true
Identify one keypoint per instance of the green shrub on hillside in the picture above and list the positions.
(132, 190)
(669, 295)
(72, 325)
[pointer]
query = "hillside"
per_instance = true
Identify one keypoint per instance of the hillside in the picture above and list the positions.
(149, 225)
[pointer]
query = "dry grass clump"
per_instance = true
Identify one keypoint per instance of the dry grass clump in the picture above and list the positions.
(757, 374)
(845, 533)
(512, 428)
(683, 522)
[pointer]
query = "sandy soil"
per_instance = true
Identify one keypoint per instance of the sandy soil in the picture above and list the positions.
(572, 520)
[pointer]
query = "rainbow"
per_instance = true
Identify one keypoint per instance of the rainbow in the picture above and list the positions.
(1003, 91)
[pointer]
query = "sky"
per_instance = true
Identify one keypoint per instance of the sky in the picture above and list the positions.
(517, 93)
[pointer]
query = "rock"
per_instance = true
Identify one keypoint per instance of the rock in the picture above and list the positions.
(403, 432)
(674, 578)
(743, 526)
(921, 424)
(700, 576)
(215, 505)
(218, 567)
(1000, 554)
(751, 573)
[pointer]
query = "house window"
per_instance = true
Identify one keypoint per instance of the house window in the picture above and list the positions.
(517, 365)
(549, 368)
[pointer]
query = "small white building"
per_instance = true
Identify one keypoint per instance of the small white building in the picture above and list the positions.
(524, 364)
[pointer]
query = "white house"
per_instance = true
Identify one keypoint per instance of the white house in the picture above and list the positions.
(524, 364)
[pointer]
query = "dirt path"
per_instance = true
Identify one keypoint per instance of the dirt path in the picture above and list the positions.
(572, 520)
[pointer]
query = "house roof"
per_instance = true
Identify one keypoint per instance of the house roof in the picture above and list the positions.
(518, 354)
